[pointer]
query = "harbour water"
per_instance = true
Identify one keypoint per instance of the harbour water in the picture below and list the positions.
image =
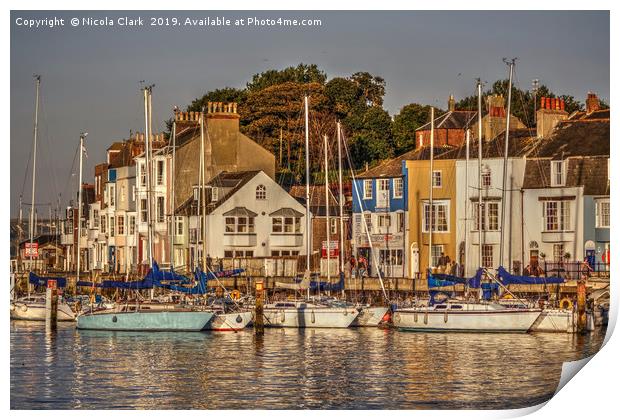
(365, 368)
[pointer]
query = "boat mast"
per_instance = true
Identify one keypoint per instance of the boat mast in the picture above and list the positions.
(327, 224)
(79, 216)
(340, 201)
(203, 201)
(37, 79)
(479, 173)
(308, 224)
(511, 64)
(147, 156)
(466, 257)
(430, 212)
(172, 206)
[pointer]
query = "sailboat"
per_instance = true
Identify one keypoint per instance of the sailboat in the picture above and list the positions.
(32, 307)
(461, 315)
(307, 313)
(148, 315)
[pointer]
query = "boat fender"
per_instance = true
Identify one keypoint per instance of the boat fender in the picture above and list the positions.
(565, 303)
(426, 317)
(23, 308)
(239, 319)
(415, 317)
(114, 319)
(235, 294)
(312, 317)
(283, 316)
(445, 317)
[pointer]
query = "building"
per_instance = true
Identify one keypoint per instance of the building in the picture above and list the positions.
(380, 221)
(248, 215)
(225, 148)
(566, 190)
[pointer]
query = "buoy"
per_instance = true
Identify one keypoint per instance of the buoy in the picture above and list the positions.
(235, 294)
(566, 303)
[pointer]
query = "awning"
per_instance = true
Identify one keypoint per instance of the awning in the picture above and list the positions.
(286, 212)
(240, 212)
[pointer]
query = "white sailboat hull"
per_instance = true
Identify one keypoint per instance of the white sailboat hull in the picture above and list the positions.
(145, 321)
(233, 321)
(36, 311)
(554, 320)
(311, 317)
(509, 320)
(370, 316)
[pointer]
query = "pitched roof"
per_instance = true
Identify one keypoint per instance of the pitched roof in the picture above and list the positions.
(232, 181)
(452, 120)
(520, 142)
(588, 171)
(392, 168)
(576, 138)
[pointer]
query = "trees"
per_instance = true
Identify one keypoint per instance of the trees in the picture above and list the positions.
(410, 118)
(303, 73)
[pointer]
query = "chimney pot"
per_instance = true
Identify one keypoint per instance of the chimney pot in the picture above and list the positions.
(562, 105)
(542, 102)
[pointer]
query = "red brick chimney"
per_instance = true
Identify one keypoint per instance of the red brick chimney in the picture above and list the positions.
(550, 113)
(592, 103)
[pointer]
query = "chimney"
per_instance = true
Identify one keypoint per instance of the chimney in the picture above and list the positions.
(550, 113)
(592, 103)
(495, 121)
(451, 103)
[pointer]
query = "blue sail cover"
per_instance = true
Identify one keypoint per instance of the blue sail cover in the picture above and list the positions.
(507, 278)
(325, 286)
(443, 280)
(201, 278)
(83, 283)
(42, 281)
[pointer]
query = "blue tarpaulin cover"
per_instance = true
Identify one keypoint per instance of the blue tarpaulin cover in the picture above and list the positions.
(507, 278)
(42, 281)
(443, 280)
(327, 286)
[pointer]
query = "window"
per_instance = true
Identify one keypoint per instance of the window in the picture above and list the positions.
(558, 252)
(558, 177)
(215, 194)
(112, 195)
(103, 219)
(493, 215)
(398, 188)
(400, 221)
(178, 225)
(486, 177)
(160, 172)
(436, 252)
(193, 235)
(490, 215)
(261, 192)
(440, 216)
(284, 225)
(391, 257)
(383, 221)
(123, 194)
(143, 210)
(112, 226)
(436, 179)
(239, 224)
(121, 225)
(368, 222)
(556, 215)
(232, 253)
(333, 226)
(142, 175)
(602, 213)
(487, 256)
(160, 209)
(367, 189)
(132, 225)
(95, 219)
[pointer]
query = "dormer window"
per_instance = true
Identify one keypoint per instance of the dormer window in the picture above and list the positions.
(558, 173)
(261, 192)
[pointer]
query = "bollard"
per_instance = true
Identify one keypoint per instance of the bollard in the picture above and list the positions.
(259, 326)
(581, 306)
(51, 305)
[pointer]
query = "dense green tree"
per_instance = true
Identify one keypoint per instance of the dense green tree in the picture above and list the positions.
(371, 87)
(410, 118)
(303, 73)
(226, 94)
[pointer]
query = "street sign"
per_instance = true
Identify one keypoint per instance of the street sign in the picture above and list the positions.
(32, 250)
(333, 249)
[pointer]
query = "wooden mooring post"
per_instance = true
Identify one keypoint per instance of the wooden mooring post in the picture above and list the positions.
(259, 326)
(581, 306)
(51, 305)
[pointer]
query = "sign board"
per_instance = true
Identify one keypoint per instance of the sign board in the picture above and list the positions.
(51, 284)
(333, 249)
(32, 250)
(382, 240)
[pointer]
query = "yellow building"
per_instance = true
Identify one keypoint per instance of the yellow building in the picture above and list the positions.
(444, 215)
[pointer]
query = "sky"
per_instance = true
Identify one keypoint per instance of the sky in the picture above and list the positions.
(90, 76)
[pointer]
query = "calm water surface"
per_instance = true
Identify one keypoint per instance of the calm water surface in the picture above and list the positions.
(287, 368)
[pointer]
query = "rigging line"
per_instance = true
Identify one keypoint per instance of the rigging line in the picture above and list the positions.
(26, 171)
(46, 136)
(68, 182)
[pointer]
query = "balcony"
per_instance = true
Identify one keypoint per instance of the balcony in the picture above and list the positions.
(239, 239)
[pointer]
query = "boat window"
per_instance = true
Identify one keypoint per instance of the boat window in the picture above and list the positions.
(456, 306)
(441, 306)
